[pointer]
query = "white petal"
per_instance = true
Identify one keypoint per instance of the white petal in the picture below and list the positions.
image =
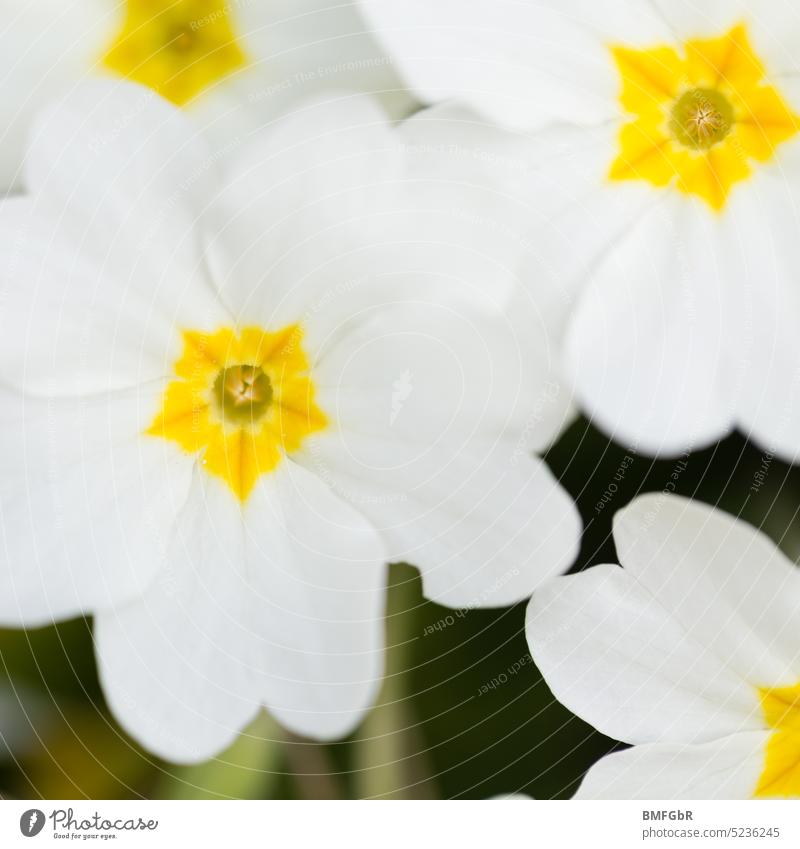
(727, 768)
(303, 47)
(434, 408)
(394, 217)
(281, 604)
(647, 347)
(485, 527)
(729, 586)
(773, 26)
(487, 531)
(46, 45)
(298, 203)
(516, 200)
(762, 252)
(87, 503)
(324, 578)
(70, 324)
(521, 64)
(611, 653)
(125, 176)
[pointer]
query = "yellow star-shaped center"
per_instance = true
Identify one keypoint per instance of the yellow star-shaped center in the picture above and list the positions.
(240, 402)
(701, 117)
(177, 47)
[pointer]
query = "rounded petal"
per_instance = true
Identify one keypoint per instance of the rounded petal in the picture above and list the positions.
(70, 325)
(104, 264)
(86, 503)
(521, 64)
(727, 768)
(299, 48)
(487, 531)
(297, 205)
(485, 528)
(277, 603)
(763, 252)
(772, 25)
(327, 203)
(327, 594)
(123, 175)
(647, 345)
(612, 654)
(433, 408)
(395, 219)
(726, 583)
(46, 45)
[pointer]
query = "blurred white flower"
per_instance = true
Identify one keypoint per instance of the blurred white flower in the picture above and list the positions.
(665, 136)
(195, 444)
(691, 652)
(234, 64)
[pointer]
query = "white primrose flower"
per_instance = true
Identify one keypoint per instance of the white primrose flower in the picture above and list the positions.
(229, 401)
(234, 64)
(666, 134)
(691, 653)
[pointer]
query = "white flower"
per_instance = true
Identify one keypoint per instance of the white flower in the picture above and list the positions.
(691, 652)
(234, 64)
(667, 137)
(197, 373)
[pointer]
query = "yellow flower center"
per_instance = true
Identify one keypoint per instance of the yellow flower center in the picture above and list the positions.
(177, 47)
(240, 402)
(781, 774)
(701, 116)
(243, 393)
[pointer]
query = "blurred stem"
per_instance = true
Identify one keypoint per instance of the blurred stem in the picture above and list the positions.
(314, 772)
(248, 769)
(389, 753)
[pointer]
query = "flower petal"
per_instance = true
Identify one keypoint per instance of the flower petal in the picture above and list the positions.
(434, 411)
(728, 586)
(647, 346)
(761, 251)
(123, 174)
(303, 47)
(727, 768)
(611, 653)
(521, 64)
(485, 528)
(773, 26)
(281, 604)
(46, 45)
(86, 503)
(297, 205)
(72, 325)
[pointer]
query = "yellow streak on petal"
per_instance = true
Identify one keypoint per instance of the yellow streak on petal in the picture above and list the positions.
(206, 353)
(728, 61)
(781, 773)
(646, 153)
(649, 77)
(712, 174)
(765, 120)
(240, 457)
(183, 418)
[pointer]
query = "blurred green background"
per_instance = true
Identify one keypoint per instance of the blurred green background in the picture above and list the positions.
(463, 712)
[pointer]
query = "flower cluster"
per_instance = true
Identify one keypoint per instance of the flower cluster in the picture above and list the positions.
(290, 295)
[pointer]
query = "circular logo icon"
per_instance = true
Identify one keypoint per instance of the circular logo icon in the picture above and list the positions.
(31, 822)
